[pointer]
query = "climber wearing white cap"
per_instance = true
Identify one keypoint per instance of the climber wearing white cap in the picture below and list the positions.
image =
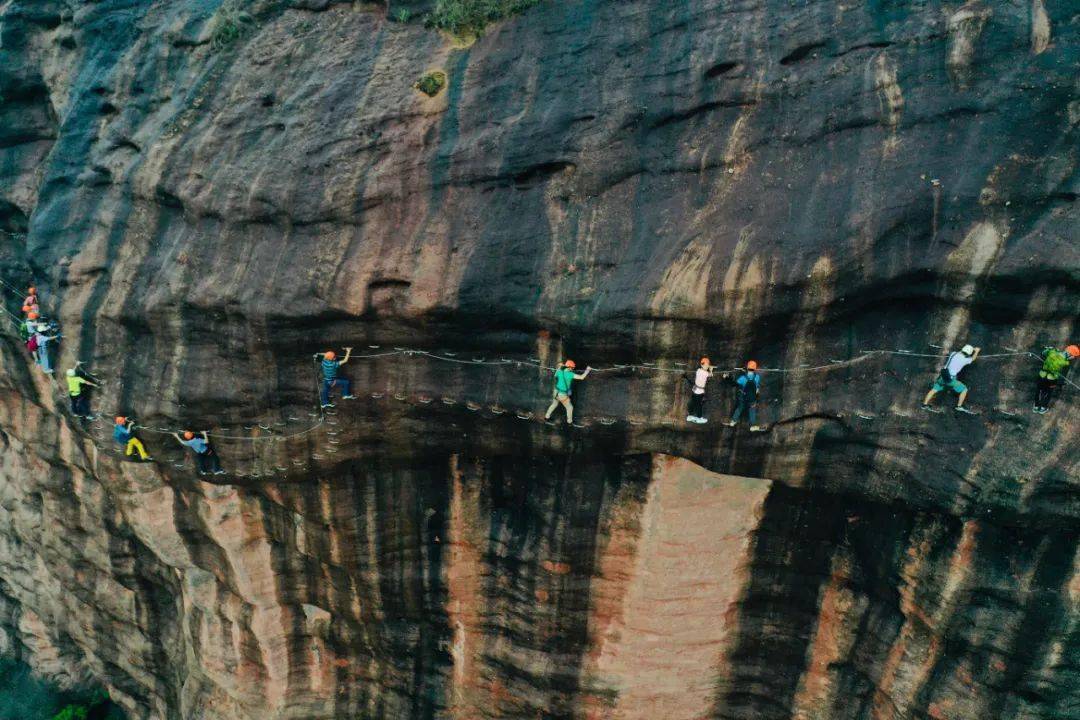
(947, 378)
(80, 403)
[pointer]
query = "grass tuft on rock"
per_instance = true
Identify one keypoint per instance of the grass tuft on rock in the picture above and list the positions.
(432, 83)
(228, 25)
(470, 17)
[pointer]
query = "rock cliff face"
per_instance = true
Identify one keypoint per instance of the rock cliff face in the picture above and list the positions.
(207, 197)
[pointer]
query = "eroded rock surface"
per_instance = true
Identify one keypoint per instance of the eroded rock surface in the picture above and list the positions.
(622, 182)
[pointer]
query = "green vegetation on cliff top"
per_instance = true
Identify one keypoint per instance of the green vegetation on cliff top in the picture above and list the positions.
(465, 17)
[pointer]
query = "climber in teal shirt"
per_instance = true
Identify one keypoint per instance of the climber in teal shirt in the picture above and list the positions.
(564, 380)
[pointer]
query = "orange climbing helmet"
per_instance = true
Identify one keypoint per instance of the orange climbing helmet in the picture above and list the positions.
(329, 355)
(704, 361)
(751, 365)
(1073, 351)
(570, 364)
(31, 290)
(188, 435)
(120, 420)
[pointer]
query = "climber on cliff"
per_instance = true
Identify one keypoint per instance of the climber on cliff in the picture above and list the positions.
(560, 393)
(80, 401)
(330, 365)
(31, 298)
(947, 378)
(124, 434)
(696, 409)
(1055, 366)
(747, 389)
(39, 344)
(205, 457)
(28, 327)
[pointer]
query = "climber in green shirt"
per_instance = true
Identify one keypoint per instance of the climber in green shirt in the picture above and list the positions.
(1055, 366)
(564, 380)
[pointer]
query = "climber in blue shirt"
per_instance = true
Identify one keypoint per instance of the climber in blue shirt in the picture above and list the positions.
(330, 365)
(205, 457)
(748, 385)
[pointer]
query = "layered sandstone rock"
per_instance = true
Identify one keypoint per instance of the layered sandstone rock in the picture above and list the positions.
(629, 183)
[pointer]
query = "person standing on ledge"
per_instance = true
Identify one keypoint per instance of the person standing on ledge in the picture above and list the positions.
(80, 401)
(205, 457)
(947, 378)
(124, 433)
(696, 409)
(564, 380)
(330, 365)
(747, 388)
(1055, 365)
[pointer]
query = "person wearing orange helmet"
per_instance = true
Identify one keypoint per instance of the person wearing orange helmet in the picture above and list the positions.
(747, 389)
(560, 394)
(31, 296)
(124, 433)
(1055, 366)
(28, 327)
(331, 380)
(205, 458)
(696, 409)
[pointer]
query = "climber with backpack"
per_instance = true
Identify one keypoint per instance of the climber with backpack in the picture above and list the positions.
(330, 379)
(947, 378)
(1055, 366)
(563, 389)
(39, 344)
(80, 401)
(747, 389)
(696, 408)
(27, 328)
(124, 434)
(205, 458)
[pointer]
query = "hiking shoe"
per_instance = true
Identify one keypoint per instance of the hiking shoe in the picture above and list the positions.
(691, 418)
(219, 472)
(328, 405)
(701, 421)
(756, 428)
(729, 423)
(960, 408)
(348, 397)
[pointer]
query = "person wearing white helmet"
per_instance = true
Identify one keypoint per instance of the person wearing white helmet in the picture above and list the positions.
(947, 378)
(80, 403)
(40, 343)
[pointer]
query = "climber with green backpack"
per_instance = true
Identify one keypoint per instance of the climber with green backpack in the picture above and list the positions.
(1055, 366)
